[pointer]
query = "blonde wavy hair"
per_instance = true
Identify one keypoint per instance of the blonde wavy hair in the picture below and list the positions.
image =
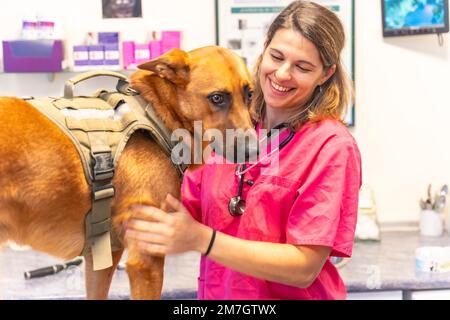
(324, 29)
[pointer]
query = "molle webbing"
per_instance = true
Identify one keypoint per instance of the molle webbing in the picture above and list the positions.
(100, 141)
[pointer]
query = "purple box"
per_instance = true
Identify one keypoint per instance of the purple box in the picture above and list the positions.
(80, 56)
(128, 54)
(170, 40)
(97, 55)
(108, 37)
(112, 54)
(33, 55)
(155, 49)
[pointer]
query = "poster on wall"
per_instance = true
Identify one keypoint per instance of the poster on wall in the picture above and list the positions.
(242, 25)
(121, 9)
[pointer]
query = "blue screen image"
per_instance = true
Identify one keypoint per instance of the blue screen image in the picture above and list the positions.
(400, 14)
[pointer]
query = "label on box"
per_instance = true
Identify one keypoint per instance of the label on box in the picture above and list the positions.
(81, 55)
(96, 55)
(433, 259)
(112, 55)
(29, 24)
(142, 54)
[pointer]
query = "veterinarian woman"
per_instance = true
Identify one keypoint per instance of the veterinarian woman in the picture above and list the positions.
(276, 239)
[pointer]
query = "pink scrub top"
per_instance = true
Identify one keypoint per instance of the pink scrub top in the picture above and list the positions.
(309, 196)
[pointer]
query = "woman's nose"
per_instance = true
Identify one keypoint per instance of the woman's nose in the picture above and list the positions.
(284, 72)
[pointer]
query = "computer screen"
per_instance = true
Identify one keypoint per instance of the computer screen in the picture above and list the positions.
(410, 17)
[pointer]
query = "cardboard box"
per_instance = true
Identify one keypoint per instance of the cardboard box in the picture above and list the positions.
(33, 55)
(108, 37)
(112, 54)
(97, 55)
(155, 49)
(141, 53)
(80, 56)
(128, 54)
(170, 40)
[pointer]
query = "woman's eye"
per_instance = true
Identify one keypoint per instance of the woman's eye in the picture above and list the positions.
(276, 58)
(302, 69)
(250, 95)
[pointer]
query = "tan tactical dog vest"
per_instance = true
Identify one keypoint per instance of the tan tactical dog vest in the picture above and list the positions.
(100, 127)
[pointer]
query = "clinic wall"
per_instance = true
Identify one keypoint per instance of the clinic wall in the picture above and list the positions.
(402, 85)
(402, 115)
(195, 18)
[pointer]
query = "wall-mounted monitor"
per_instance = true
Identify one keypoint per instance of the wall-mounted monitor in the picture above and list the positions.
(411, 17)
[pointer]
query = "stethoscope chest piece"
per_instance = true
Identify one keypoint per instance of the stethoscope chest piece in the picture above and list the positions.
(236, 206)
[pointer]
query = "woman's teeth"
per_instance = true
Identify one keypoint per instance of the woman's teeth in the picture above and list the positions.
(278, 87)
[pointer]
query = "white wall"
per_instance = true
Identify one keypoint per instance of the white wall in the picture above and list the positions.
(76, 17)
(402, 115)
(403, 95)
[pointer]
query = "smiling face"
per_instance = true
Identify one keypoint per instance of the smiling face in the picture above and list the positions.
(290, 71)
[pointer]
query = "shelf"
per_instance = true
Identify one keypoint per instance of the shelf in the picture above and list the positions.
(75, 71)
(65, 73)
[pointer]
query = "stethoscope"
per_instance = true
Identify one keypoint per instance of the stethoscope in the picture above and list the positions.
(237, 204)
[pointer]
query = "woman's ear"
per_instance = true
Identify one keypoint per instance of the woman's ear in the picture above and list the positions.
(328, 74)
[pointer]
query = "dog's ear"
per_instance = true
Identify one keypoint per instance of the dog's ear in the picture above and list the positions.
(172, 66)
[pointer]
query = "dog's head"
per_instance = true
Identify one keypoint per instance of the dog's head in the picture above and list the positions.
(211, 85)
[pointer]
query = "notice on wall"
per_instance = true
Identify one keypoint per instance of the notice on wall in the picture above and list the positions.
(242, 26)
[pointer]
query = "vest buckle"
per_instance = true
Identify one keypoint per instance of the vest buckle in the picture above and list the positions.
(103, 166)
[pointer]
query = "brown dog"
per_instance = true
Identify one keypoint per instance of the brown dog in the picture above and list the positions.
(44, 196)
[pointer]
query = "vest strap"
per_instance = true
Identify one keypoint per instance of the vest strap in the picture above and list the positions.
(98, 220)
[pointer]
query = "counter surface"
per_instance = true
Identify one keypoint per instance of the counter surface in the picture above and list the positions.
(385, 265)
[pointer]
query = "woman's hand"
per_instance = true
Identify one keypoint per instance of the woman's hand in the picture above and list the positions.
(157, 232)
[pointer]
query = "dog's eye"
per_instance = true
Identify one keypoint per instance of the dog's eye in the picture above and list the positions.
(217, 98)
(220, 99)
(249, 95)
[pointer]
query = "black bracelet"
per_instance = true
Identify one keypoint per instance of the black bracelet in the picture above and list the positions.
(213, 237)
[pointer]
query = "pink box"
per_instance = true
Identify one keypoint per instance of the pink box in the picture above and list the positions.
(141, 53)
(155, 49)
(128, 54)
(170, 40)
